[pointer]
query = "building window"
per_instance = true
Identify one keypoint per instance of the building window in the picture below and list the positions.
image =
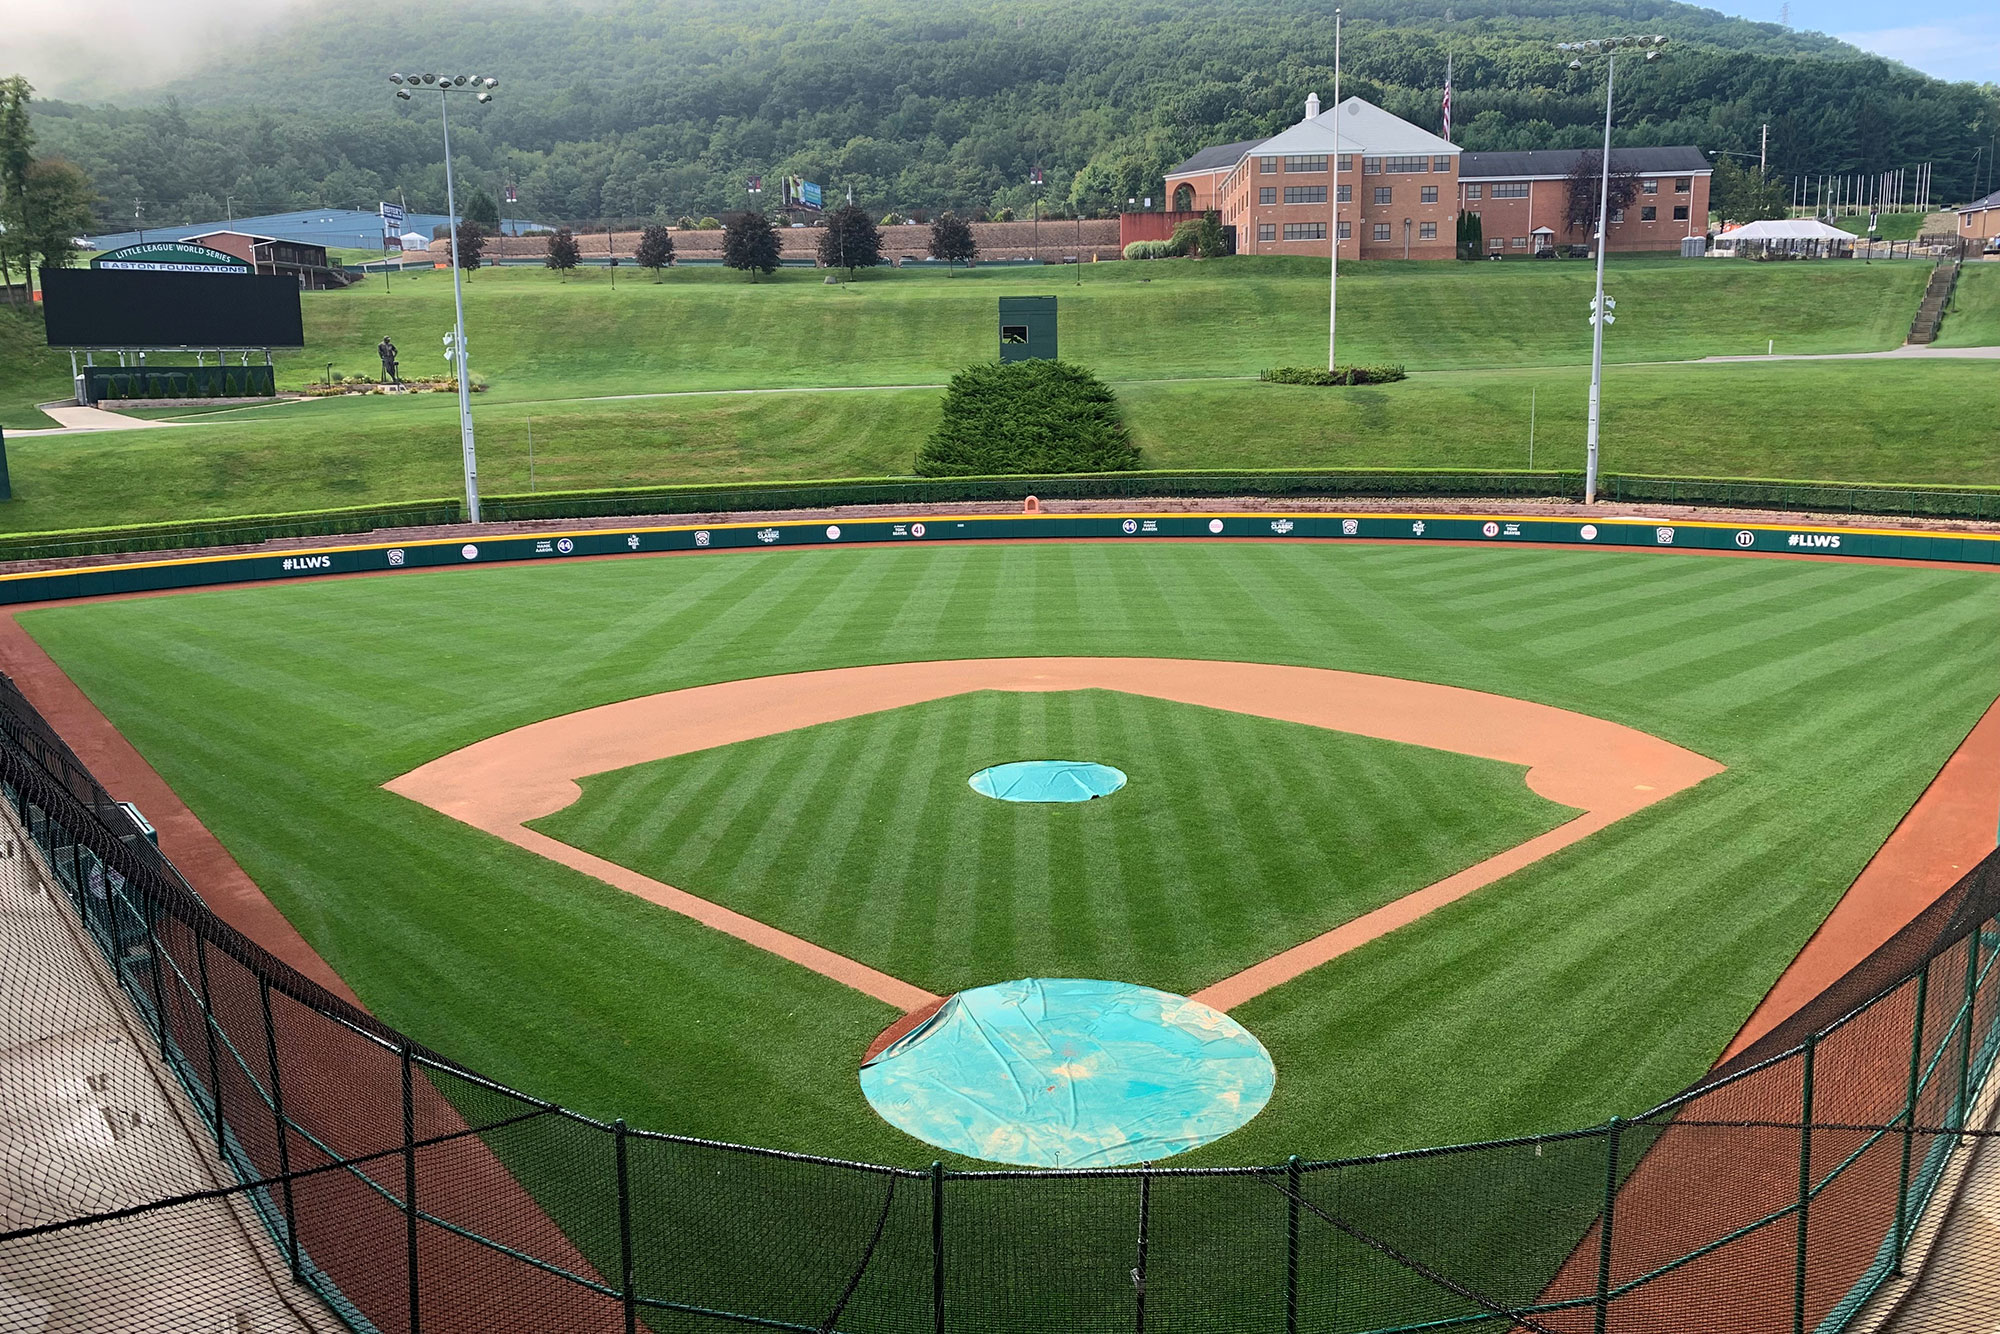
(1305, 194)
(1441, 165)
(1427, 231)
(1382, 193)
(1519, 243)
(1267, 231)
(1306, 162)
(1428, 195)
(1680, 212)
(1347, 231)
(1617, 216)
(1381, 231)
(1496, 244)
(1650, 187)
(1408, 163)
(1472, 192)
(1345, 195)
(1683, 184)
(1510, 190)
(1305, 231)
(1371, 166)
(1267, 166)
(1267, 194)
(1347, 162)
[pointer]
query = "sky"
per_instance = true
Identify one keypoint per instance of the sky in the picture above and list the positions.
(59, 44)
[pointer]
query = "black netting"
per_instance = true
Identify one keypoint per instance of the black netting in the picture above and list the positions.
(201, 1138)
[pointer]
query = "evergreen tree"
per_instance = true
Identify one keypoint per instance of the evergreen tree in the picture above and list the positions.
(656, 249)
(850, 240)
(750, 243)
(484, 210)
(471, 243)
(1744, 193)
(951, 240)
(563, 252)
(17, 145)
(1034, 416)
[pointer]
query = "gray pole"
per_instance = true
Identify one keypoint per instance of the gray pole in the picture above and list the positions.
(1597, 323)
(1333, 240)
(458, 348)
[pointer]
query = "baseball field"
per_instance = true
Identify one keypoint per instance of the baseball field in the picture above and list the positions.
(842, 869)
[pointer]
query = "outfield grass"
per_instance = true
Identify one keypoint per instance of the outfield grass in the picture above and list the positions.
(1973, 318)
(1234, 839)
(1599, 980)
(1853, 421)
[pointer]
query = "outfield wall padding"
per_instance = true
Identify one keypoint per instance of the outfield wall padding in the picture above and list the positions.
(1265, 526)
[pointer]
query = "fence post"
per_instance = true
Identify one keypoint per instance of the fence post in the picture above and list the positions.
(625, 1230)
(1963, 1109)
(1292, 1245)
(1613, 1133)
(278, 1111)
(155, 947)
(1910, 1117)
(937, 1247)
(117, 936)
(410, 1183)
(1139, 1270)
(208, 1031)
(1805, 1186)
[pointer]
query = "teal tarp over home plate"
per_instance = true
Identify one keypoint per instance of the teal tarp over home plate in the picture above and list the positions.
(1047, 780)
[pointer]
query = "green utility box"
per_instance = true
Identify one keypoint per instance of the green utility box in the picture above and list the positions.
(1027, 328)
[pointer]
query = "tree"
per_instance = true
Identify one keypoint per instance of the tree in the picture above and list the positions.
(483, 209)
(1471, 236)
(685, 223)
(951, 240)
(57, 205)
(17, 143)
(850, 240)
(1744, 193)
(471, 243)
(1034, 416)
(1585, 181)
(656, 249)
(750, 243)
(563, 253)
(1211, 240)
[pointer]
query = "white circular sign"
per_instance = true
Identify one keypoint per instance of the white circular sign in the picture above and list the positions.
(1491, 529)
(916, 530)
(1130, 525)
(564, 545)
(833, 532)
(469, 551)
(1746, 538)
(1589, 532)
(1215, 525)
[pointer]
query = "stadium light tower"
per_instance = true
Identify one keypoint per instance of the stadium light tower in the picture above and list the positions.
(482, 90)
(1600, 310)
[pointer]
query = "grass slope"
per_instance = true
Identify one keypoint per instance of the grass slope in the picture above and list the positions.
(1866, 421)
(1594, 982)
(1235, 838)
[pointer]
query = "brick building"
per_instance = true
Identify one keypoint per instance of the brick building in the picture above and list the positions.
(1980, 220)
(1399, 190)
(269, 254)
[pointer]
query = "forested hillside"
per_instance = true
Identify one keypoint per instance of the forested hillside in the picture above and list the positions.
(633, 109)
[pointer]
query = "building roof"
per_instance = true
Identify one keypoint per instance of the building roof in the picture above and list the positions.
(1784, 229)
(1557, 163)
(1991, 201)
(1217, 158)
(1364, 128)
(225, 231)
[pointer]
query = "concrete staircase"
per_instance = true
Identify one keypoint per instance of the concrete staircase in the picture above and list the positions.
(1930, 314)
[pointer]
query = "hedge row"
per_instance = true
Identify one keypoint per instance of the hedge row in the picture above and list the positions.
(1345, 375)
(1934, 502)
(240, 530)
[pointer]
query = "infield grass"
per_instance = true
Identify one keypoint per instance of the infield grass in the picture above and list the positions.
(1235, 837)
(1599, 980)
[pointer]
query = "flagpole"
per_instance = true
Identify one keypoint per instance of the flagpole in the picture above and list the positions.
(1333, 175)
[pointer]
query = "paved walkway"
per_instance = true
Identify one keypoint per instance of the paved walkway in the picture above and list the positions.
(1907, 352)
(76, 420)
(90, 1122)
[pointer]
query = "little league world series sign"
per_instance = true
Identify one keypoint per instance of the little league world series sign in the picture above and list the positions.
(170, 257)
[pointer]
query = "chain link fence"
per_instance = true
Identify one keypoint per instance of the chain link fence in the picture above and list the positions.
(327, 1172)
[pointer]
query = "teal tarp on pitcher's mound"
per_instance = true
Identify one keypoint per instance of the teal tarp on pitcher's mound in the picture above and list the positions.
(1070, 1072)
(1047, 780)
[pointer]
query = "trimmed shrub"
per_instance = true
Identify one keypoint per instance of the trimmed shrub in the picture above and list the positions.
(1345, 375)
(1027, 417)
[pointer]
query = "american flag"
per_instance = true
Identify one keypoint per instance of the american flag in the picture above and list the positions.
(1447, 97)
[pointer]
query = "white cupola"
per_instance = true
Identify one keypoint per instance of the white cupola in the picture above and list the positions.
(1312, 105)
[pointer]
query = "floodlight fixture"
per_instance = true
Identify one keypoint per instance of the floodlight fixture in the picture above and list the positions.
(430, 78)
(1576, 64)
(492, 83)
(459, 80)
(395, 78)
(488, 97)
(403, 93)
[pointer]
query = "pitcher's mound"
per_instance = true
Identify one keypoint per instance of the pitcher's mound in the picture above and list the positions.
(1047, 780)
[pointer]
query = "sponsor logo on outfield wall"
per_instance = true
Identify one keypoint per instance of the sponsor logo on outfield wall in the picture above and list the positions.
(1825, 541)
(303, 563)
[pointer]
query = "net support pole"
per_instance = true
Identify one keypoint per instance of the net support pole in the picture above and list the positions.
(625, 1289)
(1963, 1109)
(937, 1247)
(1292, 1245)
(1613, 1133)
(155, 947)
(1139, 1269)
(208, 1032)
(117, 934)
(410, 1185)
(1910, 1094)
(1805, 1187)
(278, 1114)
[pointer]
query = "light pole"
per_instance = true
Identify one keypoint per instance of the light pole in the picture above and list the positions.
(481, 89)
(1333, 192)
(1600, 312)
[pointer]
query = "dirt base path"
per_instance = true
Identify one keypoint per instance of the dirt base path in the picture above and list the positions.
(1604, 769)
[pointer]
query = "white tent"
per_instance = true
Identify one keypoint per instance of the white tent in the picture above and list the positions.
(416, 241)
(1799, 236)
